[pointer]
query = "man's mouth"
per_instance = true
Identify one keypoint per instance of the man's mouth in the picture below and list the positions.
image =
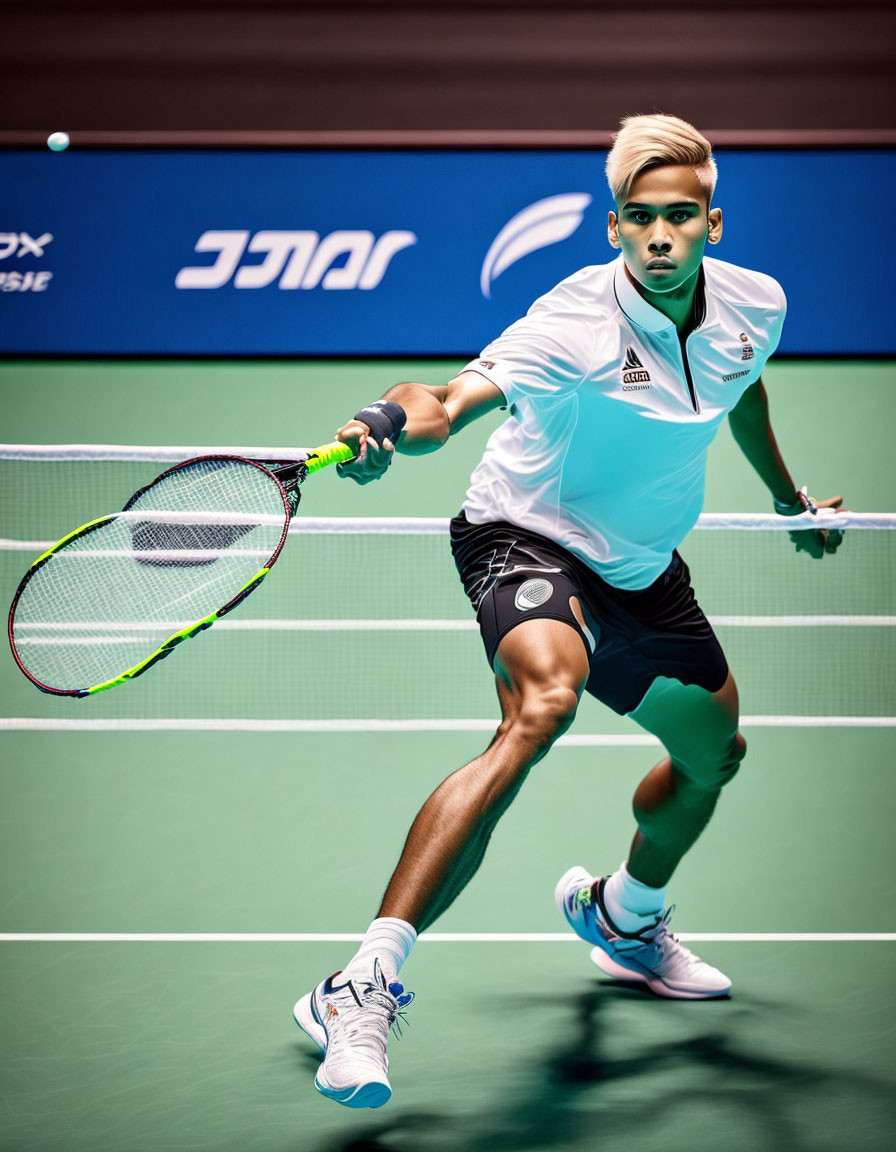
(660, 262)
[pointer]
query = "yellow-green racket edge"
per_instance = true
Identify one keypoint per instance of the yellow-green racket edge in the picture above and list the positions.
(172, 641)
(65, 539)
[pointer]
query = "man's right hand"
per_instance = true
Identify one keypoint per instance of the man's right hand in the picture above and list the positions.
(371, 459)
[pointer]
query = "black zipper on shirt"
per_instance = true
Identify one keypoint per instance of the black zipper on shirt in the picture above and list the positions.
(697, 317)
(683, 344)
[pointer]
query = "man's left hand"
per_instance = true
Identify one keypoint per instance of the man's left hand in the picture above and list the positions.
(819, 541)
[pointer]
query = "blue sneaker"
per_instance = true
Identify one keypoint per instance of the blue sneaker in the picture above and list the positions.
(652, 956)
(349, 1019)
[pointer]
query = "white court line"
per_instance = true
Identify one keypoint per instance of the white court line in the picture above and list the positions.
(230, 724)
(158, 556)
(803, 621)
(242, 624)
(409, 624)
(427, 937)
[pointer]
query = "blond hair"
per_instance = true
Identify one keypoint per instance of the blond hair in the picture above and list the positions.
(652, 142)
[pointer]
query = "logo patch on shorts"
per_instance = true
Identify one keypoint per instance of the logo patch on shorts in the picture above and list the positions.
(533, 593)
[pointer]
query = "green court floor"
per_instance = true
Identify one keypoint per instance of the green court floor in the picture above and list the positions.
(119, 1043)
(192, 1046)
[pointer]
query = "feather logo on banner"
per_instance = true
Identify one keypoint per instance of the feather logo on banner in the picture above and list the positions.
(545, 222)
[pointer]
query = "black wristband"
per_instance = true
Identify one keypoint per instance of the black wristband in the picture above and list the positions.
(800, 503)
(384, 418)
(788, 507)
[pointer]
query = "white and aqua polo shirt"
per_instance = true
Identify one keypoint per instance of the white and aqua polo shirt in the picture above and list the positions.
(605, 447)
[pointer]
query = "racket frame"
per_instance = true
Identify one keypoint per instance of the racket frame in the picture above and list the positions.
(286, 475)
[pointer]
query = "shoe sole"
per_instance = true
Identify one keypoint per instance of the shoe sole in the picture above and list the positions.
(619, 972)
(373, 1094)
(304, 1017)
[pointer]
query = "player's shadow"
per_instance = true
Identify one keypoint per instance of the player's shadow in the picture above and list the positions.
(764, 1094)
(569, 1094)
(387, 1135)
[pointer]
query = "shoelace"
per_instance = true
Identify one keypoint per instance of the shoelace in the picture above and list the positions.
(368, 1028)
(402, 1000)
(660, 938)
(382, 1006)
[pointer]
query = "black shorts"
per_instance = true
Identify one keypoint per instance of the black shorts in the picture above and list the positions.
(511, 574)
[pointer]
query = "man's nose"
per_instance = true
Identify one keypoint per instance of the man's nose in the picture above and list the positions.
(660, 239)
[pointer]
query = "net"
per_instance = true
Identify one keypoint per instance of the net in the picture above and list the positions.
(381, 629)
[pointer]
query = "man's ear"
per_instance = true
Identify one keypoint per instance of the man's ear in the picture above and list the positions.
(715, 225)
(613, 229)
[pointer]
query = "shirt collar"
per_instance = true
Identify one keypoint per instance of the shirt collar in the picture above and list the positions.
(645, 315)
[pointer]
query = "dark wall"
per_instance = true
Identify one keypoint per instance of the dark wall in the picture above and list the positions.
(235, 64)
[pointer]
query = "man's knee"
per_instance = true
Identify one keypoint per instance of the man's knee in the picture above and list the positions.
(698, 729)
(712, 764)
(545, 712)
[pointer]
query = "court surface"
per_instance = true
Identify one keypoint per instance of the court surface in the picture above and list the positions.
(199, 881)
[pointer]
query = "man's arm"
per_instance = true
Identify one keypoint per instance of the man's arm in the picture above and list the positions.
(432, 415)
(752, 429)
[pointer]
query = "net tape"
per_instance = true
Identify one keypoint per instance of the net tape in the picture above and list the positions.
(387, 525)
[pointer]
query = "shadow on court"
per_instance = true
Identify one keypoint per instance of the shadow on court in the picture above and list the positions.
(704, 1090)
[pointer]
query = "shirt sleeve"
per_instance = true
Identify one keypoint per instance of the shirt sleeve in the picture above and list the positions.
(775, 322)
(543, 355)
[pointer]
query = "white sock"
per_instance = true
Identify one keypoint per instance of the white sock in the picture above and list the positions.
(631, 904)
(389, 939)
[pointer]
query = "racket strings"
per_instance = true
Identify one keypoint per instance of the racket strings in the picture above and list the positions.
(108, 598)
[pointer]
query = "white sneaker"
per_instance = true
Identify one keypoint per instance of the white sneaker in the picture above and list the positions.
(350, 1023)
(652, 956)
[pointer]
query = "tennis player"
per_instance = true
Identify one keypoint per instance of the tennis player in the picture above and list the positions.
(615, 383)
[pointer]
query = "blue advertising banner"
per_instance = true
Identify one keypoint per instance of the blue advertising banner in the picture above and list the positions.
(419, 253)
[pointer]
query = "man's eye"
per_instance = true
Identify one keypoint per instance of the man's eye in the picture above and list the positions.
(641, 217)
(680, 217)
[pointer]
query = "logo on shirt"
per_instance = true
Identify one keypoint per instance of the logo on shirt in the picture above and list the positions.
(747, 350)
(545, 222)
(635, 377)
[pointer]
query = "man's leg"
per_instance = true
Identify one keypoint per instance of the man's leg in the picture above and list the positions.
(541, 667)
(622, 915)
(674, 801)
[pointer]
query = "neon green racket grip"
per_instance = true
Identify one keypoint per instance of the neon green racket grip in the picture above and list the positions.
(326, 455)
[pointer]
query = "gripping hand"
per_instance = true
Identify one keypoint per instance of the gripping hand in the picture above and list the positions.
(371, 435)
(818, 542)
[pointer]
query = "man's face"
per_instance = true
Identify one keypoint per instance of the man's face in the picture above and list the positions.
(663, 226)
